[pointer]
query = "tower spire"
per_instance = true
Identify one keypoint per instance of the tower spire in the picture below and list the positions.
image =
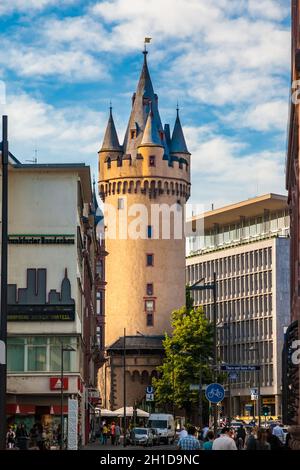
(140, 110)
(151, 135)
(178, 144)
(111, 140)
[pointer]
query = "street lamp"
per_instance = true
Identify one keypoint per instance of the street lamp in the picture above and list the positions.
(212, 286)
(256, 349)
(227, 326)
(63, 349)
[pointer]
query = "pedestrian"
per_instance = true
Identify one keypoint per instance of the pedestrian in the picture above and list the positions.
(261, 442)
(208, 444)
(278, 431)
(183, 433)
(105, 433)
(204, 432)
(10, 438)
(224, 442)
(189, 442)
(251, 440)
(240, 437)
(274, 441)
(117, 434)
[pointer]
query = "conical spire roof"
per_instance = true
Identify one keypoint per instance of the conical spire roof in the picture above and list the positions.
(110, 141)
(96, 211)
(143, 100)
(178, 144)
(151, 135)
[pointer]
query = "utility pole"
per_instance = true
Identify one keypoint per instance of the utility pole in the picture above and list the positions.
(3, 318)
(215, 408)
(200, 396)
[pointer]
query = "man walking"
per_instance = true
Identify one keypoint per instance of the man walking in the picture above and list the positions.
(189, 442)
(224, 442)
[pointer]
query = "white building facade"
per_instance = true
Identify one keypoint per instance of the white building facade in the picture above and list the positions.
(51, 295)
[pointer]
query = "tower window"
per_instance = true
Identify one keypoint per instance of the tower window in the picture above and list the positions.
(180, 165)
(149, 289)
(119, 161)
(132, 134)
(152, 160)
(120, 203)
(149, 318)
(149, 307)
(150, 259)
(149, 231)
(109, 163)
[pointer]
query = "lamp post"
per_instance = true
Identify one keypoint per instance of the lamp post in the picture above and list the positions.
(256, 349)
(212, 286)
(3, 317)
(227, 326)
(63, 349)
(124, 386)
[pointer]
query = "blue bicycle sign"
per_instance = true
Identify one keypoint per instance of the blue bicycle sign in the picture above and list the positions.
(215, 393)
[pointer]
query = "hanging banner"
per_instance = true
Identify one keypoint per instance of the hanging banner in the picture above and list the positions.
(72, 424)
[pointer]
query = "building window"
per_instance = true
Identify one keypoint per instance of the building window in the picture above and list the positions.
(149, 231)
(119, 161)
(149, 307)
(109, 163)
(151, 160)
(132, 134)
(149, 289)
(149, 317)
(150, 260)
(120, 203)
(40, 354)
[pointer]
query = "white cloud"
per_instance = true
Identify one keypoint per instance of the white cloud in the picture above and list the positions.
(25, 6)
(270, 116)
(224, 172)
(59, 134)
(271, 9)
(35, 62)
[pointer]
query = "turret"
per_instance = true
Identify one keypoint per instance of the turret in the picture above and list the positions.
(111, 150)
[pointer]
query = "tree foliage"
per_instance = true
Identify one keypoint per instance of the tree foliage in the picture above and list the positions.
(187, 351)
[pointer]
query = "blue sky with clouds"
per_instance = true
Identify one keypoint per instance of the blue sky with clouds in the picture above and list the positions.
(225, 61)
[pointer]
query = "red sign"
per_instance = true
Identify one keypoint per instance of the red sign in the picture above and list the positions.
(55, 383)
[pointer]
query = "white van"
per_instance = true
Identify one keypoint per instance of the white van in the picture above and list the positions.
(164, 425)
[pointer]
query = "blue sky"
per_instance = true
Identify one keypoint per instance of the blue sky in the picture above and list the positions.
(226, 62)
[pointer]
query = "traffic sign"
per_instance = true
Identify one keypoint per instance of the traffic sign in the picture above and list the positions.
(254, 393)
(233, 375)
(149, 396)
(149, 389)
(237, 368)
(194, 387)
(215, 393)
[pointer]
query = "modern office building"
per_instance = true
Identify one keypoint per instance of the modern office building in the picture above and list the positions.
(150, 171)
(247, 246)
(54, 256)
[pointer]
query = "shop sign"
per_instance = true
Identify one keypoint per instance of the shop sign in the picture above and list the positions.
(55, 383)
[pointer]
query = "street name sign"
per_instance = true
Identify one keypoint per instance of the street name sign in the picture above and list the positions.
(239, 368)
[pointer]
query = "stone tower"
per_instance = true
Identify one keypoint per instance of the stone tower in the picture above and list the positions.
(145, 266)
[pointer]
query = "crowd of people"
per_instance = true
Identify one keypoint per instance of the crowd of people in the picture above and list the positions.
(109, 433)
(234, 438)
(18, 437)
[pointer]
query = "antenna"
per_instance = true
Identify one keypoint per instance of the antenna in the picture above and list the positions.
(34, 160)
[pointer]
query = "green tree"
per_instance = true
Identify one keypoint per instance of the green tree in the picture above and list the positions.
(187, 351)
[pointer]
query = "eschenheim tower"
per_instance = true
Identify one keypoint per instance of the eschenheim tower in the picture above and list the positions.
(145, 268)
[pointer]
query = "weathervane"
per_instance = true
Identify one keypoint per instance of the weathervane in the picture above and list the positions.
(146, 41)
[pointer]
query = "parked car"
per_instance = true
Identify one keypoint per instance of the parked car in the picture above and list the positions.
(141, 436)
